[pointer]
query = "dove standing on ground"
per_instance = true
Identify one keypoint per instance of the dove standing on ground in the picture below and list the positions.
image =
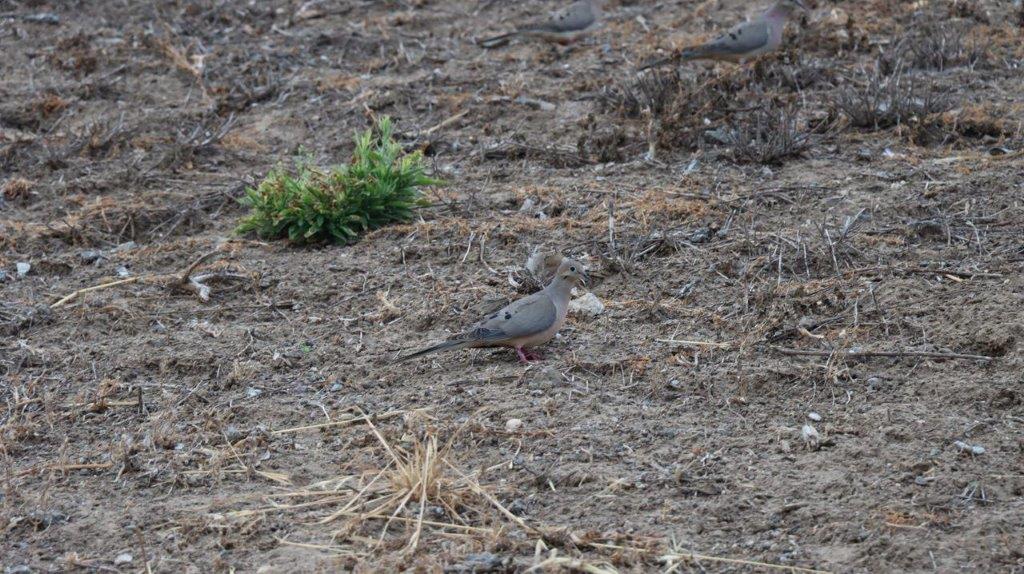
(744, 41)
(523, 324)
(563, 26)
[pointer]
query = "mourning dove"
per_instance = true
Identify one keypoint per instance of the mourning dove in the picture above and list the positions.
(528, 322)
(563, 26)
(744, 41)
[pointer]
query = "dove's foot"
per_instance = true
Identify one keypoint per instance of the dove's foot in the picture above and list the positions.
(527, 356)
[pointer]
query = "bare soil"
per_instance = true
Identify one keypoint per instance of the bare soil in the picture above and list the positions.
(145, 429)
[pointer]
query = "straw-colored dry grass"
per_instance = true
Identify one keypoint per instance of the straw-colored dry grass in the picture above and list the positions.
(386, 508)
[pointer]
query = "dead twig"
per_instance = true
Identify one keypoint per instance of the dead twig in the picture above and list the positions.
(446, 122)
(64, 300)
(203, 258)
(196, 284)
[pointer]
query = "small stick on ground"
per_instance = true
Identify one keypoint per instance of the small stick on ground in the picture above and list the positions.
(446, 122)
(64, 300)
(202, 258)
(695, 343)
(359, 418)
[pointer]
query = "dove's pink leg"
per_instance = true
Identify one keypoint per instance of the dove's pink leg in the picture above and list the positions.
(522, 356)
(527, 356)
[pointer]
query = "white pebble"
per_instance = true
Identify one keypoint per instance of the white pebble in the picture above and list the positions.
(971, 448)
(814, 416)
(512, 425)
(124, 558)
(23, 268)
(810, 436)
(588, 305)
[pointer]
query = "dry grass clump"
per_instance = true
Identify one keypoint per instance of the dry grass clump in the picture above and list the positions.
(655, 91)
(686, 113)
(417, 488)
(16, 189)
(941, 46)
(766, 136)
(882, 100)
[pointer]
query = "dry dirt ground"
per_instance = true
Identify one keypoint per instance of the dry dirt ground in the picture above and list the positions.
(145, 429)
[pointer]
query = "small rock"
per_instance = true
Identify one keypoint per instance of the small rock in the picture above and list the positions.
(3, 276)
(124, 558)
(535, 103)
(233, 433)
(701, 235)
(970, 448)
(814, 417)
(90, 256)
(23, 268)
(253, 392)
(518, 507)
(280, 359)
(718, 135)
(19, 569)
(588, 305)
(42, 18)
(483, 562)
(337, 387)
(836, 17)
(122, 271)
(810, 436)
(512, 425)
(126, 246)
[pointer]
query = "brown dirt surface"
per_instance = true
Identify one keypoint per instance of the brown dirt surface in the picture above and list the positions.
(771, 385)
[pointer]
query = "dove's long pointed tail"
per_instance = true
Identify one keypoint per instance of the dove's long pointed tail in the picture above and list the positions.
(446, 346)
(657, 63)
(685, 55)
(496, 41)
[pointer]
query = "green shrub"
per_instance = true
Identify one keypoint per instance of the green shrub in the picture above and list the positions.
(306, 204)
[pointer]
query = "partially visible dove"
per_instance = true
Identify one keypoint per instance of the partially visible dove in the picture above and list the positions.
(744, 41)
(526, 323)
(563, 26)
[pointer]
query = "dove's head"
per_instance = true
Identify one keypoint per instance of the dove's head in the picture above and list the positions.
(572, 273)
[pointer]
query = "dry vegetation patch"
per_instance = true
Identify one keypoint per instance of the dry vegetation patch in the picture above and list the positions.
(798, 353)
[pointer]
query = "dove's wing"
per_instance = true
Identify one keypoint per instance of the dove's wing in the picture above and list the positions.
(523, 318)
(741, 40)
(573, 18)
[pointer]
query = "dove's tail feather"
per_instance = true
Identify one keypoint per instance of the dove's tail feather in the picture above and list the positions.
(446, 346)
(686, 54)
(496, 41)
(656, 63)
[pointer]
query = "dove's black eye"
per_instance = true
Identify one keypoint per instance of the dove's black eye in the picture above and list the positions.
(573, 269)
